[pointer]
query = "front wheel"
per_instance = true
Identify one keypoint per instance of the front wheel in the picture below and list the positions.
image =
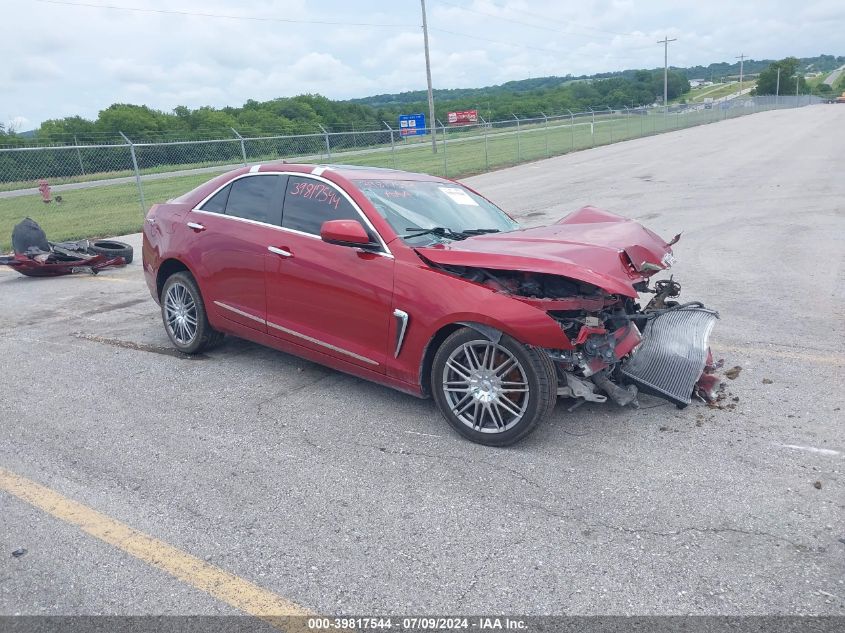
(492, 393)
(184, 316)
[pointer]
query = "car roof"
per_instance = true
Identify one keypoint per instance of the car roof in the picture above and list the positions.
(343, 172)
(350, 172)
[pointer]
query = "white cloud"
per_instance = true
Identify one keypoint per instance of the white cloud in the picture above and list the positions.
(68, 60)
(35, 69)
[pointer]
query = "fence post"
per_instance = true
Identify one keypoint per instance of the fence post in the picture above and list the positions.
(610, 123)
(243, 148)
(328, 146)
(592, 127)
(571, 130)
(392, 144)
(137, 173)
(486, 153)
(78, 155)
(518, 144)
(445, 162)
(546, 119)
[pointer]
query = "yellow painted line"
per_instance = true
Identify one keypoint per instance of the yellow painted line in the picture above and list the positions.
(231, 589)
(826, 359)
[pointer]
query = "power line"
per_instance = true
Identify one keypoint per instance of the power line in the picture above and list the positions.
(221, 16)
(285, 20)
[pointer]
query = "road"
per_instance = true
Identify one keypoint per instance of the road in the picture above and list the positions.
(833, 77)
(345, 497)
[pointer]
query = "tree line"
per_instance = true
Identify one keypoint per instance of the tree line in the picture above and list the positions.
(305, 113)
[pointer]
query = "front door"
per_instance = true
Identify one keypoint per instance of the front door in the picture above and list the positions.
(333, 299)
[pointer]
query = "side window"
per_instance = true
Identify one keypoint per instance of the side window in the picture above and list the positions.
(309, 203)
(217, 202)
(257, 198)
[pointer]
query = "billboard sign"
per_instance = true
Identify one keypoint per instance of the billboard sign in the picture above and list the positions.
(463, 117)
(412, 125)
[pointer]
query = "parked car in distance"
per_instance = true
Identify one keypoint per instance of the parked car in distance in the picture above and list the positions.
(422, 284)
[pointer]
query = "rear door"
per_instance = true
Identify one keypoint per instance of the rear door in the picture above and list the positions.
(333, 299)
(232, 229)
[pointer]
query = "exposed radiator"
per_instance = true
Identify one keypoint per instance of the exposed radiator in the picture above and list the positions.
(672, 355)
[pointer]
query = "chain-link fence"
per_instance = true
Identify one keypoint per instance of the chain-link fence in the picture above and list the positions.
(106, 189)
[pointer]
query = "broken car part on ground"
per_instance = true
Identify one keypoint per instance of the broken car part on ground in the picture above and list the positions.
(34, 256)
(422, 284)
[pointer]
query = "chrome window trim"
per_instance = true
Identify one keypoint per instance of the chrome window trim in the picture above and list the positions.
(385, 252)
(256, 222)
(304, 337)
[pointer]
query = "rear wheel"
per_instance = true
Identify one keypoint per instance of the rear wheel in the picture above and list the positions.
(492, 393)
(184, 315)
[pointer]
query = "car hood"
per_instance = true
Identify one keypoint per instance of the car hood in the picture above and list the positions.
(590, 245)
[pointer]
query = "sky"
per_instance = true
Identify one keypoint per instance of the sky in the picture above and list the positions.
(75, 57)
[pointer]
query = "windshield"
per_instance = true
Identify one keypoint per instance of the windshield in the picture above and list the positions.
(423, 212)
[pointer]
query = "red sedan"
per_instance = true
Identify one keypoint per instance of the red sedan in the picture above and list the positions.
(422, 284)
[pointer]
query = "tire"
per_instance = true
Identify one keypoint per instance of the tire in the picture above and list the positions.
(184, 316)
(467, 385)
(110, 248)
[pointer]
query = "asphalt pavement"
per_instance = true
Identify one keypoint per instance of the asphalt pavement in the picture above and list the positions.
(342, 496)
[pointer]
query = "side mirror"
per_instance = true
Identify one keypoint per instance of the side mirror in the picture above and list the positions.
(344, 233)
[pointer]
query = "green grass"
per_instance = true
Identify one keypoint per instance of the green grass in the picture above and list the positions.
(115, 209)
(96, 212)
(716, 91)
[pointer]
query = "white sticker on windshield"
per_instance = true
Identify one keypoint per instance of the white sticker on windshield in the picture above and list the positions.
(459, 196)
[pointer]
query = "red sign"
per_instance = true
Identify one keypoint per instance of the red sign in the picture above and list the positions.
(463, 117)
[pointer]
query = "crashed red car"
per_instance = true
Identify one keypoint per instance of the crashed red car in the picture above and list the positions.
(422, 284)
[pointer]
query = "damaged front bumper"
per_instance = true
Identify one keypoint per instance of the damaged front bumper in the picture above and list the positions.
(667, 358)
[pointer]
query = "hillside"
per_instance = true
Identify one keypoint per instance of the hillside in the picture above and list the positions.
(714, 72)
(305, 114)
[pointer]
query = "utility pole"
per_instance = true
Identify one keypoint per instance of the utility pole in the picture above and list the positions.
(777, 87)
(665, 41)
(741, 59)
(431, 124)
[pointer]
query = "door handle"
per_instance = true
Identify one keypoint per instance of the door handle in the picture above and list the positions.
(195, 226)
(279, 251)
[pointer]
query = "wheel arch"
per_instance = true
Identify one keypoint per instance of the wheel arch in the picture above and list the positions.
(441, 335)
(166, 269)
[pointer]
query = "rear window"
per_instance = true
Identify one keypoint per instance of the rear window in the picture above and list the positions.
(217, 202)
(257, 198)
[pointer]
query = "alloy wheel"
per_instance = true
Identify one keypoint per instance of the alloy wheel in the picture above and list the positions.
(180, 311)
(485, 386)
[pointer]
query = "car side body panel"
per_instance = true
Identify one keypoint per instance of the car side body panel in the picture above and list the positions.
(375, 315)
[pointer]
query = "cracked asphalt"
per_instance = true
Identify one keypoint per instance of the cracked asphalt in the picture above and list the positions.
(349, 498)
